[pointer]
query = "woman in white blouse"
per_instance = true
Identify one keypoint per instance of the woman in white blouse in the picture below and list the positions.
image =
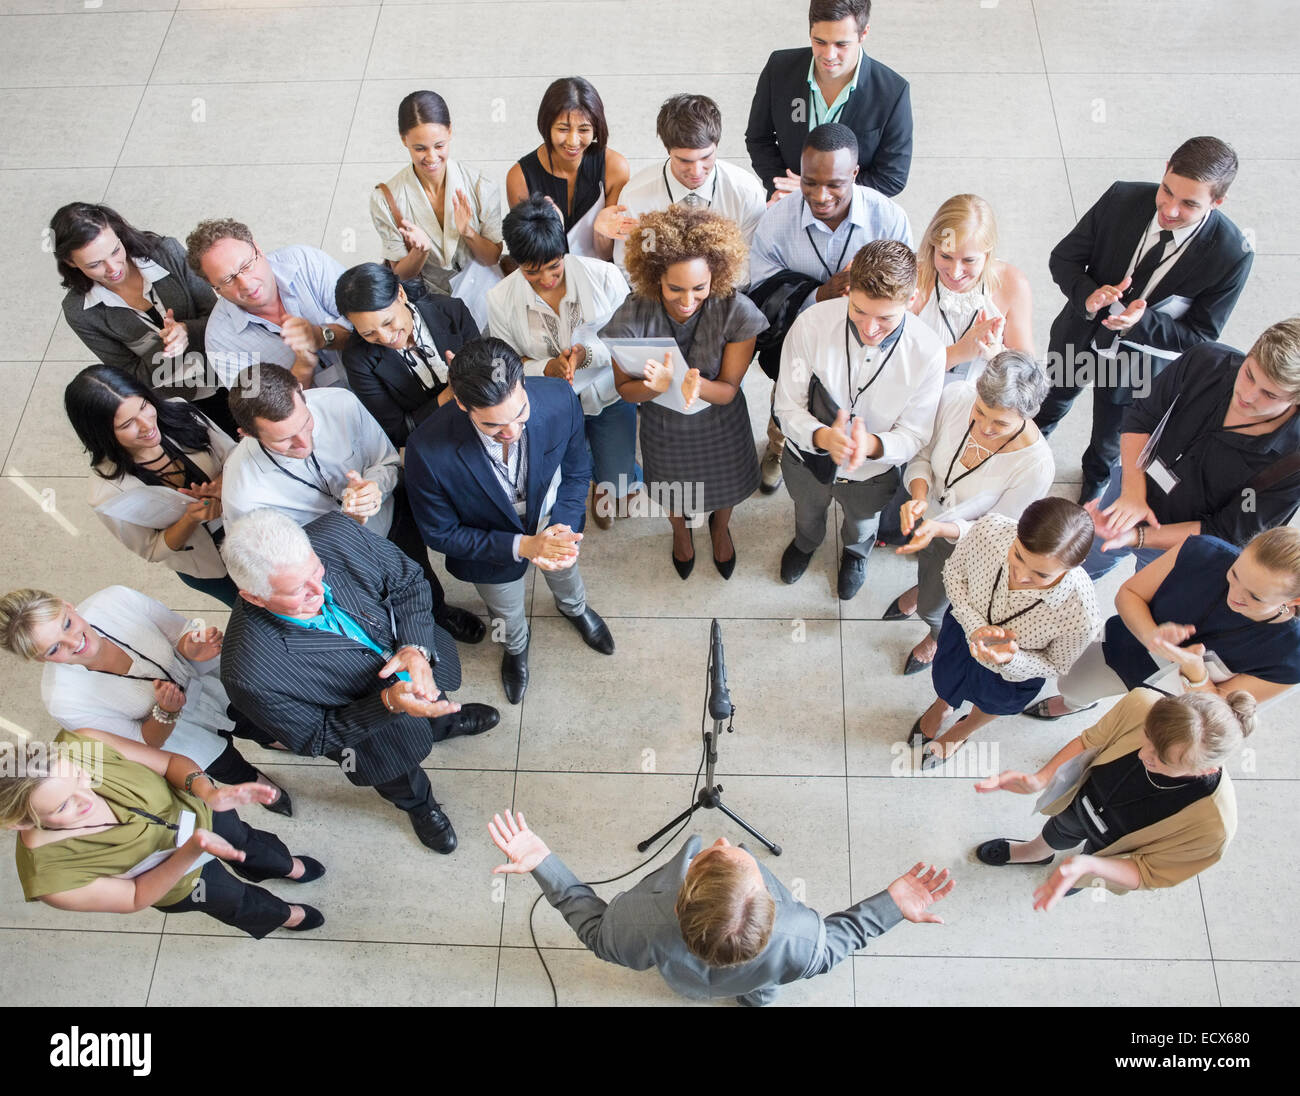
(440, 219)
(124, 663)
(985, 456)
(1021, 610)
(549, 311)
(155, 477)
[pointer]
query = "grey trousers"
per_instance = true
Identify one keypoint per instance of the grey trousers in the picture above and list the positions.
(505, 603)
(861, 502)
(931, 597)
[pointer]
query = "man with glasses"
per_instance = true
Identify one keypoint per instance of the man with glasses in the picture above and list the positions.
(276, 308)
(498, 480)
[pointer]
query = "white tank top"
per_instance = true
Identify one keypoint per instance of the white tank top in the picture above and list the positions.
(950, 315)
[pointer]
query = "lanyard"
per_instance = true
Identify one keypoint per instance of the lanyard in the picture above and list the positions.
(949, 482)
(142, 658)
(1006, 620)
(844, 251)
(848, 363)
(938, 303)
(708, 202)
(417, 349)
(306, 483)
(1144, 790)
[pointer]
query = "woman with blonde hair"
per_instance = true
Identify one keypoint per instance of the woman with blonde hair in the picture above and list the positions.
(1228, 618)
(1149, 800)
(684, 266)
(977, 304)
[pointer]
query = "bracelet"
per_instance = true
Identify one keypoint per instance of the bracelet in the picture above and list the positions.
(383, 695)
(189, 780)
(1142, 536)
(163, 716)
(1196, 684)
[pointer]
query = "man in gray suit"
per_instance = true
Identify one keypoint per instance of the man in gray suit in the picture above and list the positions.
(715, 922)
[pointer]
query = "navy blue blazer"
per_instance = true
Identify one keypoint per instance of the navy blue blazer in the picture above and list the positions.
(458, 501)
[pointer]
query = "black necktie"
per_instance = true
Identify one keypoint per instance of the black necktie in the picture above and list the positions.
(1146, 266)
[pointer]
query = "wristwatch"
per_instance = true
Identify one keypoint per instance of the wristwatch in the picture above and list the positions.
(327, 336)
(428, 655)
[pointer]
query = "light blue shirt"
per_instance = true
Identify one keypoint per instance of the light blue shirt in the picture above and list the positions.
(332, 618)
(789, 237)
(820, 113)
(235, 339)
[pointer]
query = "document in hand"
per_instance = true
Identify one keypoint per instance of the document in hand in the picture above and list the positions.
(631, 355)
(151, 507)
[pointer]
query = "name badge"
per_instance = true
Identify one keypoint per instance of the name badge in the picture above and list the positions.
(1096, 818)
(1163, 478)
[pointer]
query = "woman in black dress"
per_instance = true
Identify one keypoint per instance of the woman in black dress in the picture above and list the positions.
(684, 265)
(573, 166)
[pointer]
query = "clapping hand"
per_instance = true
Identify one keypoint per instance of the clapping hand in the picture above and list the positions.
(239, 795)
(557, 548)
(209, 493)
(169, 697)
(690, 387)
(200, 645)
(910, 513)
(918, 890)
(1012, 781)
(1106, 295)
(784, 186)
(1189, 660)
(175, 337)
(1128, 510)
(217, 845)
(989, 340)
(614, 222)
(659, 375)
(463, 212)
(992, 644)
(925, 532)
(361, 498)
(415, 238)
(513, 837)
(406, 696)
(1124, 320)
(847, 445)
(411, 661)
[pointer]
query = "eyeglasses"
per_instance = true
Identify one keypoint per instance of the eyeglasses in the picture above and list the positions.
(227, 282)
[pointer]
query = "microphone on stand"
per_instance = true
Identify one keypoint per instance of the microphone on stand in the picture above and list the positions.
(719, 695)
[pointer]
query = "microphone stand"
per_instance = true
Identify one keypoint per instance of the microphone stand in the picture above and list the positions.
(721, 711)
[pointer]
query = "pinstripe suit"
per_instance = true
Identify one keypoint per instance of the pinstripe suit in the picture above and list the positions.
(318, 693)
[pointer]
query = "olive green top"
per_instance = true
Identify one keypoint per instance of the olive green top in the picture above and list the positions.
(75, 861)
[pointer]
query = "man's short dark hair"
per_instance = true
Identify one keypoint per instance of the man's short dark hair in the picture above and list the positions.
(262, 391)
(832, 11)
(1207, 160)
(484, 372)
(831, 137)
(534, 232)
(689, 121)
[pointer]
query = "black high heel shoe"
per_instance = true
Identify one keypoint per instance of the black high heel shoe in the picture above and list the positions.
(725, 567)
(684, 567)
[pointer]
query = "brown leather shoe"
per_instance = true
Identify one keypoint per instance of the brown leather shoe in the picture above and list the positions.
(602, 514)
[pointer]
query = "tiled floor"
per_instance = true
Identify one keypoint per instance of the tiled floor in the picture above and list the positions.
(281, 112)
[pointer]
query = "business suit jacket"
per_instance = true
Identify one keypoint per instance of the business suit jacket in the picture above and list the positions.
(459, 503)
(1210, 272)
(117, 336)
(879, 112)
(318, 693)
(380, 378)
(638, 929)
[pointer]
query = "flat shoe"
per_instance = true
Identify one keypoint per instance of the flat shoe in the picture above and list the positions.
(1040, 710)
(997, 854)
(312, 919)
(313, 869)
(895, 613)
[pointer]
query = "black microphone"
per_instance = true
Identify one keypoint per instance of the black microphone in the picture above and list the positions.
(719, 695)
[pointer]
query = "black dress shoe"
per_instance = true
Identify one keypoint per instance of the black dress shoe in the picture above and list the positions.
(462, 625)
(594, 631)
(997, 854)
(514, 674)
(793, 564)
(313, 869)
(915, 666)
(472, 719)
(433, 828)
(894, 612)
(283, 805)
(1090, 490)
(728, 566)
(684, 567)
(312, 919)
(853, 573)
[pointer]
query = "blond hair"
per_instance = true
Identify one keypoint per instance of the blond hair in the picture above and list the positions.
(885, 270)
(1200, 730)
(725, 918)
(20, 612)
(1278, 550)
(1278, 354)
(963, 218)
(28, 766)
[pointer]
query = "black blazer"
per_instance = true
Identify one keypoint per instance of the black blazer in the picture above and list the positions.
(316, 692)
(879, 112)
(1211, 271)
(381, 380)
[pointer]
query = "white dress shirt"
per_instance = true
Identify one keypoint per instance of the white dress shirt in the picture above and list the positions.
(1004, 483)
(899, 405)
(199, 556)
(345, 438)
(593, 290)
(1053, 633)
(152, 273)
(76, 697)
(730, 190)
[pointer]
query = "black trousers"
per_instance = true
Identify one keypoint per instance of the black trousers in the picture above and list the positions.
(409, 792)
(405, 533)
(230, 899)
(1067, 829)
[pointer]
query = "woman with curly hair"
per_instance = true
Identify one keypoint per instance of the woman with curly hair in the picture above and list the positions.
(684, 265)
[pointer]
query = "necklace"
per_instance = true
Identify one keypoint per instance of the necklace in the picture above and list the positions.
(1159, 787)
